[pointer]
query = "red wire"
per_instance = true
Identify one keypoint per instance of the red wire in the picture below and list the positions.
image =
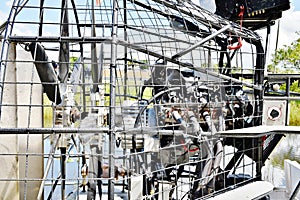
(241, 15)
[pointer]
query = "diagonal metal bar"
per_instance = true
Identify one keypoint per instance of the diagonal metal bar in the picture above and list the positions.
(48, 165)
(295, 192)
(225, 28)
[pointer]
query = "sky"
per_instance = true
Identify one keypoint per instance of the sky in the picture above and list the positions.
(289, 24)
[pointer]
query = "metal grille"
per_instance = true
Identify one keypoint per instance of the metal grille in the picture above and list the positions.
(127, 99)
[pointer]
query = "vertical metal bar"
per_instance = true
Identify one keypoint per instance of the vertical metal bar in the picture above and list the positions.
(288, 85)
(93, 171)
(112, 101)
(277, 37)
(125, 50)
(83, 85)
(64, 46)
(125, 70)
(63, 151)
(81, 53)
(258, 80)
(95, 70)
(259, 157)
(41, 17)
(63, 75)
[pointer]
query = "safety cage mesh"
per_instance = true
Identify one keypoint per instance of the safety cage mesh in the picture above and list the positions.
(127, 99)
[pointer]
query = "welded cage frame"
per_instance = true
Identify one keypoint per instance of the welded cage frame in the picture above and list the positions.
(157, 83)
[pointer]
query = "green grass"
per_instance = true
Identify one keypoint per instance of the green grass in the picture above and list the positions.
(295, 113)
(288, 153)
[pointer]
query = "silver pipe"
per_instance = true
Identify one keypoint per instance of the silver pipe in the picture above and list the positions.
(52, 130)
(280, 98)
(225, 28)
(85, 39)
(112, 109)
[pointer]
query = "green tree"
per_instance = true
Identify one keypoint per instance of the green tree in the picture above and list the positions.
(286, 57)
(287, 61)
